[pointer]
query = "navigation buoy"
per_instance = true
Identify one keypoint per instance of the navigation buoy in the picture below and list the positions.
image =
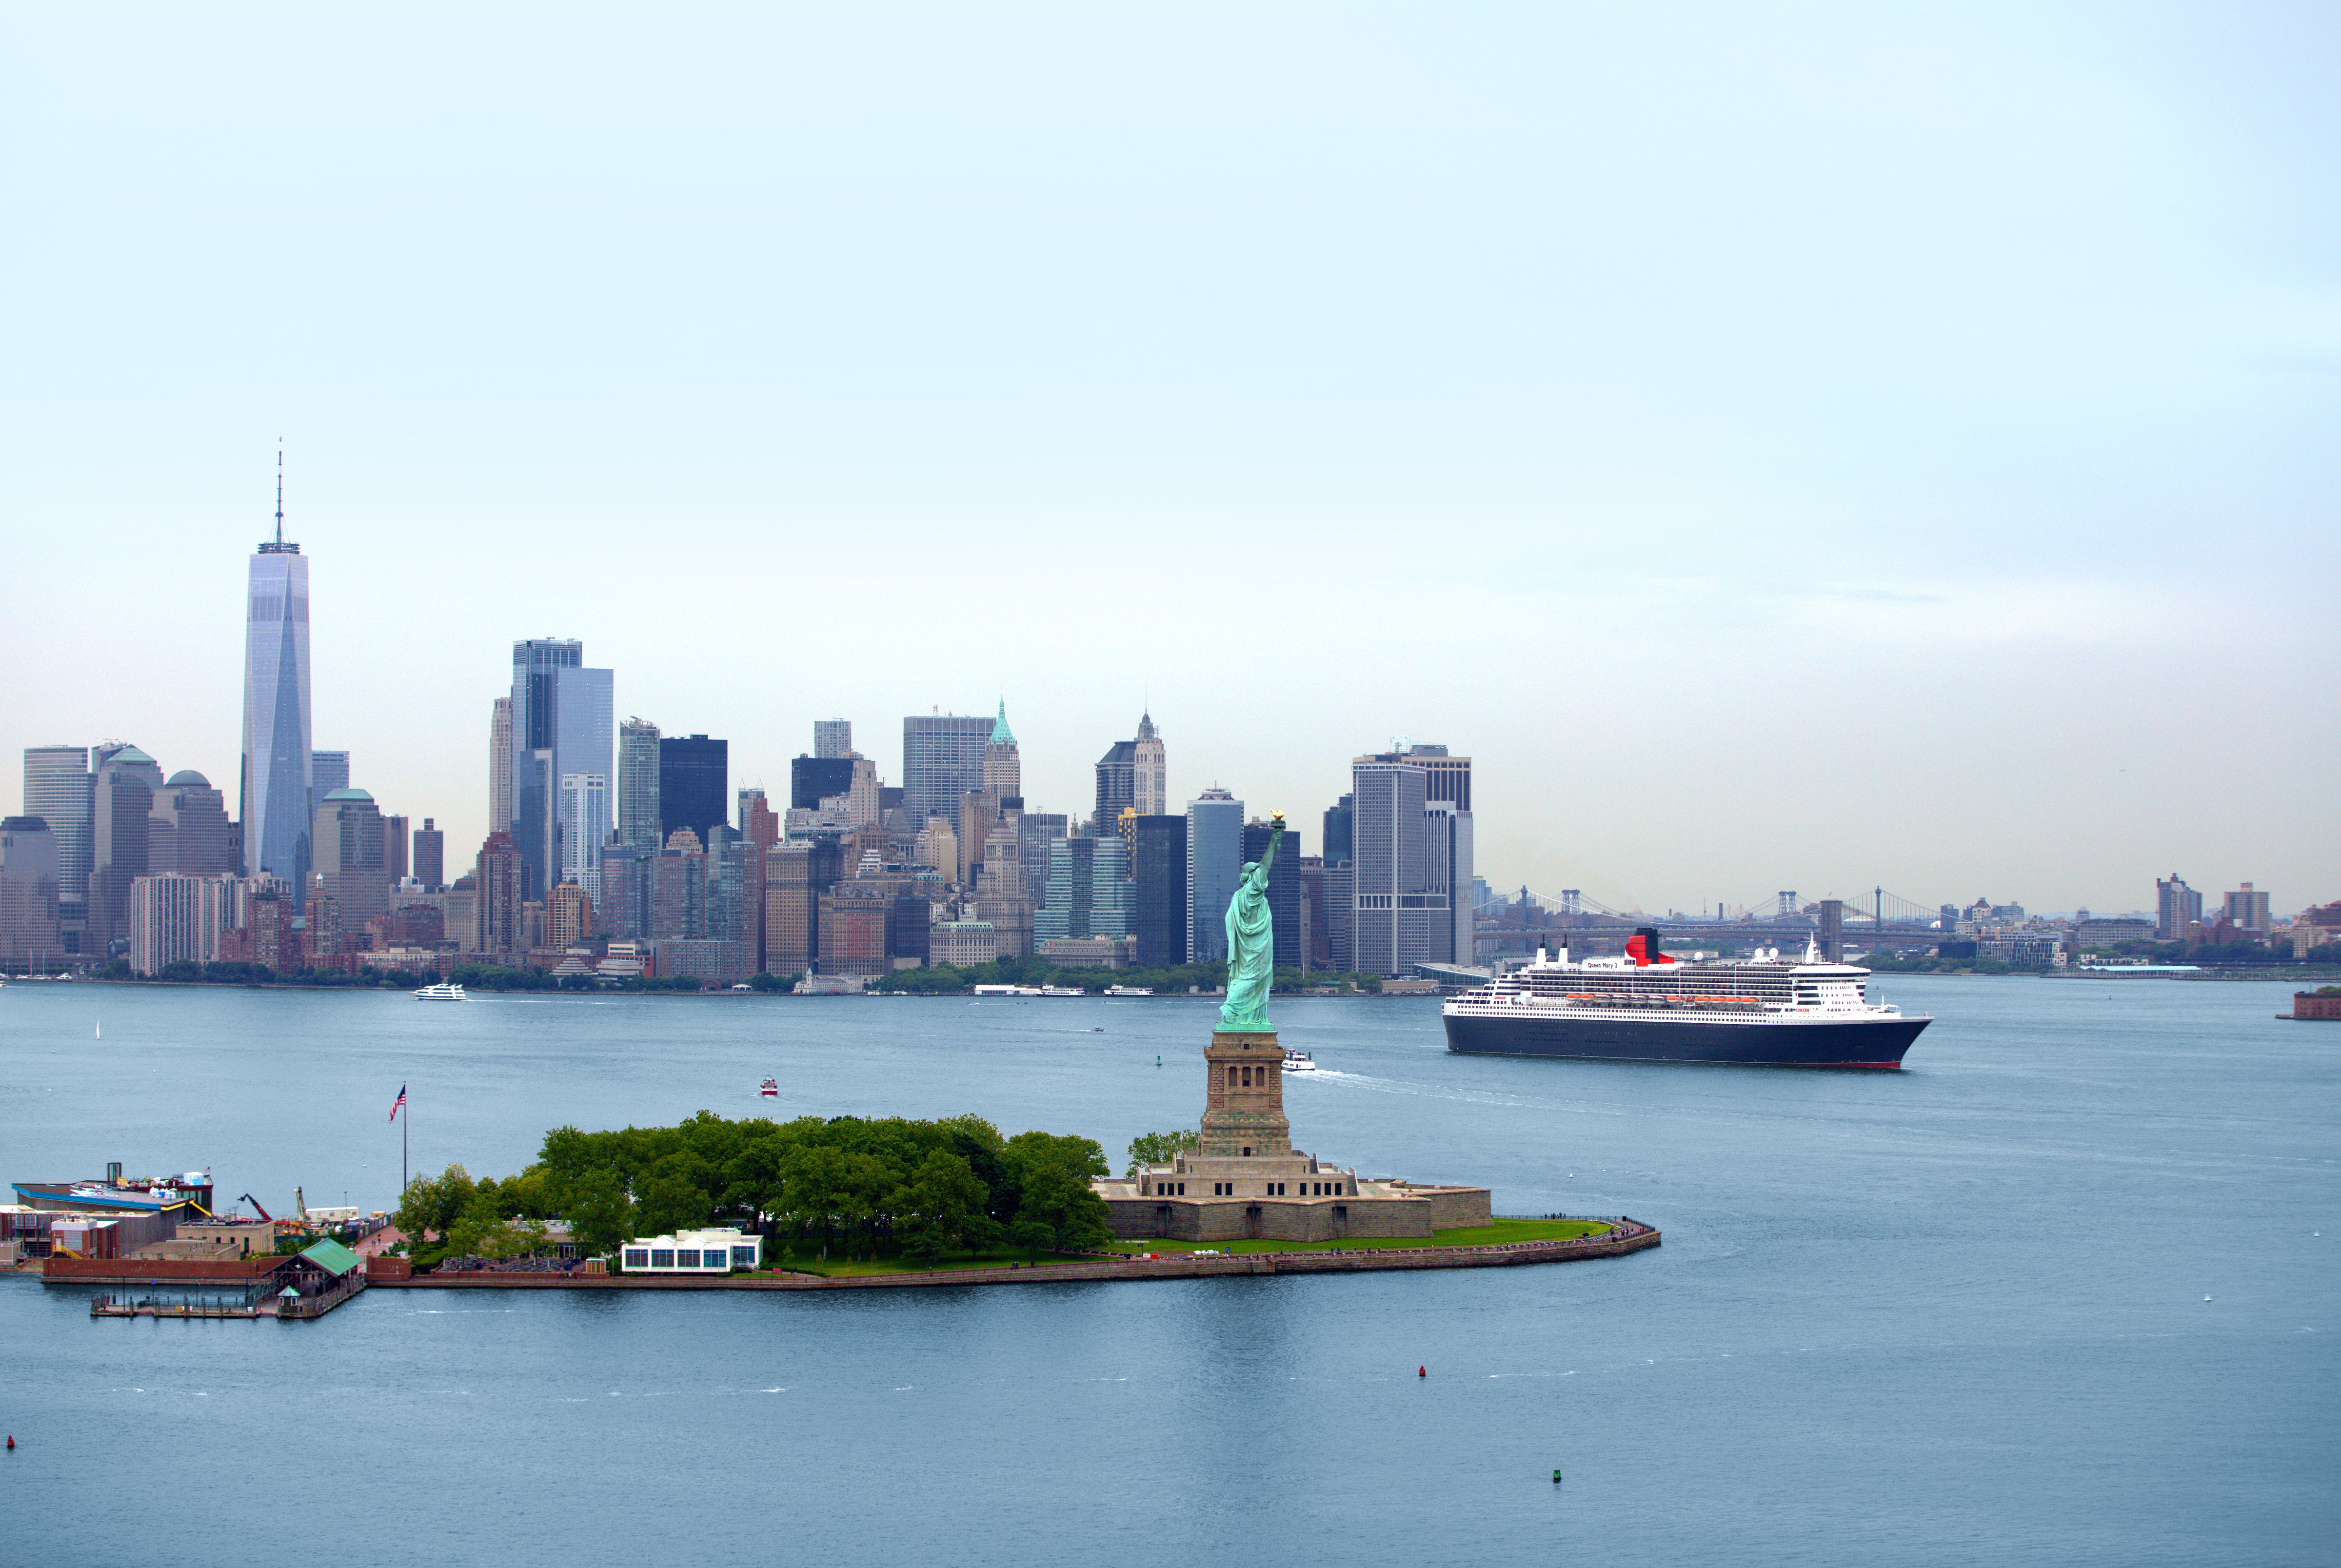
(1425, 1371)
(12, 1442)
(1555, 1478)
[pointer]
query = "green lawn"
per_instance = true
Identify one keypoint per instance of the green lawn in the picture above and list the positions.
(1502, 1231)
(808, 1261)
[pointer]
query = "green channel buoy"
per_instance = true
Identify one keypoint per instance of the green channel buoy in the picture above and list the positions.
(1555, 1478)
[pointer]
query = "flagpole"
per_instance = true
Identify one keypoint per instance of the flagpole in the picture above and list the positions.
(404, 1132)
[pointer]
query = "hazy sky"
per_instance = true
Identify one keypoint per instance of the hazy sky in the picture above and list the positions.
(1786, 446)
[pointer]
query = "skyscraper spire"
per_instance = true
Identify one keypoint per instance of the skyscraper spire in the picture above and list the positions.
(280, 492)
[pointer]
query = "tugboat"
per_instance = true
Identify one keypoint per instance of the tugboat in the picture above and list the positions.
(771, 1088)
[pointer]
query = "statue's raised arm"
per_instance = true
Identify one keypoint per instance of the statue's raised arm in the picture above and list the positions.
(1251, 944)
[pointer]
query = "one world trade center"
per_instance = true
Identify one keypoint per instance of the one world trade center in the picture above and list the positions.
(274, 797)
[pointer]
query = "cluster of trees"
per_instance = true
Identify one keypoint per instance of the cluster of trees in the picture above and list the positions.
(859, 1185)
(1176, 978)
(1159, 1148)
(185, 971)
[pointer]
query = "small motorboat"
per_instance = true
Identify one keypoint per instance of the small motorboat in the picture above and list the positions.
(770, 1089)
(1299, 1062)
(442, 992)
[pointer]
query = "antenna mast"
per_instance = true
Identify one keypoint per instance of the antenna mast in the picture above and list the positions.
(280, 492)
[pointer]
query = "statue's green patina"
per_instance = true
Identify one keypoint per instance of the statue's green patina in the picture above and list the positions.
(1251, 944)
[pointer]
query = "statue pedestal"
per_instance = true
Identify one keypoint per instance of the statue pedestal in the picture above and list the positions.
(1244, 1117)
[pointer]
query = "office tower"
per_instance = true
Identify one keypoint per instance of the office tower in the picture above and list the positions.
(812, 780)
(174, 920)
(1214, 862)
(1398, 909)
(1159, 891)
(788, 907)
(496, 897)
(345, 854)
(746, 799)
(1339, 818)
(430, 862)
(122, 804)
(500, 767)
(30, 937)
(1340, 917)
(1003, 767)
(938, 846)
(832, 737)
(1013, 874)
(679, 887)
(624, 904)
(1034, 831)
(273, 798)
(638, 786)
(394, 850)
(943, 759)
(695, 774)
(187, 832)
(584, 826)
(1446, 796)
(1089, 891)
(1316, 945)
(58, 789)
(2176, 906)
(1117, 786)
(861, 793)
(563, 716)
(568, 915)
(1285, 930)
(328, 770)
(2247, 908)
(1149, 781)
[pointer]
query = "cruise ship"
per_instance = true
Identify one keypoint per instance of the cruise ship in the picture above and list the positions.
(1646, 1007)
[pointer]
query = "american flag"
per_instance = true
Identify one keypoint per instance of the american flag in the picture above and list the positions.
(400, 1104)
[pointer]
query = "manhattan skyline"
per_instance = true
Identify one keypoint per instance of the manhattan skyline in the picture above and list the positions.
(1940, 472)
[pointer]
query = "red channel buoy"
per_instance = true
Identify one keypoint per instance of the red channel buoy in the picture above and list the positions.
(12, 1442)
(1423, 1371)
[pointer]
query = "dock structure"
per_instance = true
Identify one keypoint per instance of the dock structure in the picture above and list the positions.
(308, 1284)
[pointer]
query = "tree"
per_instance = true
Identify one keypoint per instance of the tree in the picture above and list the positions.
(1160, 1148)
(432, 1205)
(600, 1217)
(1076, 1216)
(937, 1207)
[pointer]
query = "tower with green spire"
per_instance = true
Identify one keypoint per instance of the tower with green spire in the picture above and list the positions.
(1003, 770)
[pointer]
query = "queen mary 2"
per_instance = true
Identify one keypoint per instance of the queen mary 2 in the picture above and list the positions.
(1646, 1007)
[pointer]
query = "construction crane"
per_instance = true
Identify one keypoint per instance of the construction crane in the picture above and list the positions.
(265, 1215)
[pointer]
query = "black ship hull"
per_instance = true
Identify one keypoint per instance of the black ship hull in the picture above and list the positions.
(1868, 1043)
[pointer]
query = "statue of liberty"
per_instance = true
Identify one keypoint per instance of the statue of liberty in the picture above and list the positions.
(1251, 944)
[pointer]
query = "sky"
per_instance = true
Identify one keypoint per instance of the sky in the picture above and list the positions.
(1800, 447)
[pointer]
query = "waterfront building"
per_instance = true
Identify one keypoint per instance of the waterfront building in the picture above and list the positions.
(788, 907)
(1159, 890)
(187, 830)
(430, 862)
(832, 737)
(694, 776)
(856, 930)
(568, 915)
(943, 759)
(1290, 936)
(274, 798)
(2248, 909)
(321, 930)
(30, 934)
(679, 888)
(584, 826)
(500, 765)
(345, 842)
(2176, 907)
(1088, 951)
(122, 793)
(638, 786)
(562, 718)
(260, 929)
(1214, 865)
(176, 919)
(496, 898)
(709, 959)
(961, 944)
(693, 1252)
(1150, 771)
(58, 789)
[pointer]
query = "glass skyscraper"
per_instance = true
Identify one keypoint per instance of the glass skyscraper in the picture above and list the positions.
(1214, 865)
(561, 715)
(694, 773)
(274, 793)
(58, 788)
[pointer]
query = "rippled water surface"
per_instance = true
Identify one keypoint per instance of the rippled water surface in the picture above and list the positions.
(1953, 1315)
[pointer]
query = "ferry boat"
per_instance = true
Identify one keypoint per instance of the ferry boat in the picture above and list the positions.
(442, 992)
(1299, 1062)
(770, 1089)
(1130, 991)
(1646, 1007)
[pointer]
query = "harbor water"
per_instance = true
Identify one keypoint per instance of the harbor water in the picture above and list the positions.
(2063, 1291)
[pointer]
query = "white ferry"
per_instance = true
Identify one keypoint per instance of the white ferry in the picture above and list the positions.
(1130, 991)
(1646, 1007)
(442, 992)
(1299, 1062)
